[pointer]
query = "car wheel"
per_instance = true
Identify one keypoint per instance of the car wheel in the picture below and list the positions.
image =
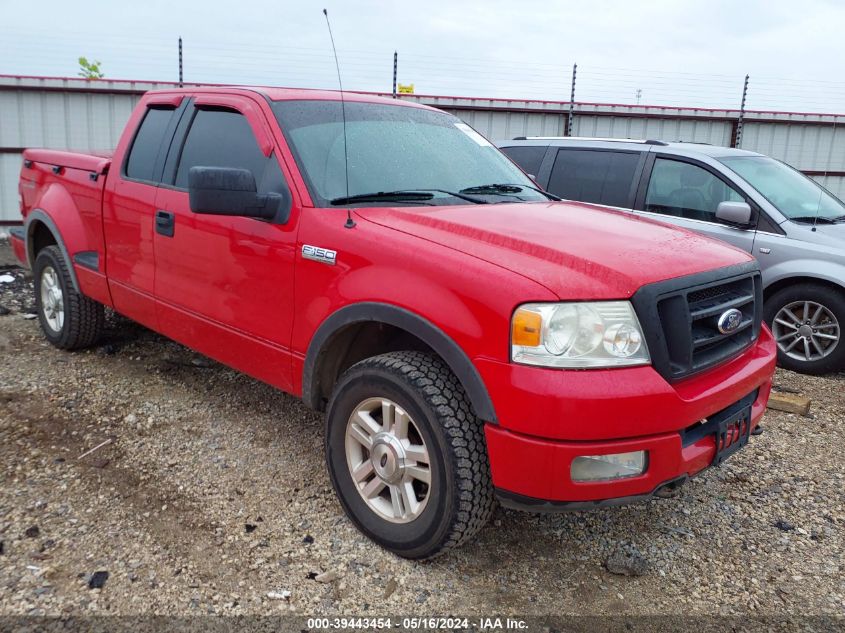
(407, 456)
(807, 322)
(69, 320)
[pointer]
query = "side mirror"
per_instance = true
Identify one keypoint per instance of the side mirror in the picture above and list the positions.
(734, 213)
(229, 191)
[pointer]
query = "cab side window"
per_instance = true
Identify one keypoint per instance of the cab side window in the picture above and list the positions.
(224, 138)
(146, 155)
(685, 190)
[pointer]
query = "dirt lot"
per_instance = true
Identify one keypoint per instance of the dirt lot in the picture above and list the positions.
(212, 497)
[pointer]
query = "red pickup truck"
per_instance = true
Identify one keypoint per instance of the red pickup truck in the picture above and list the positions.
(469, 337)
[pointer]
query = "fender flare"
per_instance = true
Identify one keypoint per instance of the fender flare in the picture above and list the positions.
(39, 215)
(824, 272)
(430, 334)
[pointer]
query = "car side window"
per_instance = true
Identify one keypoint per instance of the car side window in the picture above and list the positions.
(601, 177)
(148, 146)
(528, 157)
(224, 138)
(685, 190)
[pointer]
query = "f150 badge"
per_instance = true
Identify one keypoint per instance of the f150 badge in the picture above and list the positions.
(319, 254)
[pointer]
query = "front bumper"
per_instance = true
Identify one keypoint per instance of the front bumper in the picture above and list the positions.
(615, 411)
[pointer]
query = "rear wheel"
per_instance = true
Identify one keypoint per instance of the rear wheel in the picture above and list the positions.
(407, 456)
(807, 322)
(69, 320)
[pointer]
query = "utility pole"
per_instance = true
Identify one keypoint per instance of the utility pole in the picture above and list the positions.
(738, 141)
(395, 67)
(639, 95)
(571, 102)
(180, 62)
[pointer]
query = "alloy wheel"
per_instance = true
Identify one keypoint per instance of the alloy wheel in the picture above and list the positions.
(806, 330)
(52, 299)
(388, 460)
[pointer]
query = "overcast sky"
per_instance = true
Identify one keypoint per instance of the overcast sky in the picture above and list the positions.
(676, 52)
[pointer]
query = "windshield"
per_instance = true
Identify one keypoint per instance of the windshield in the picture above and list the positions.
(396, 148)
(794, 195)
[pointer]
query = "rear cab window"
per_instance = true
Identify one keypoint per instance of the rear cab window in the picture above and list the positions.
(595, 175)
(146, 156)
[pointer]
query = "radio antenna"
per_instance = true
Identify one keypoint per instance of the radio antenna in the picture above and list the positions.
(350, 223)
(827, 167)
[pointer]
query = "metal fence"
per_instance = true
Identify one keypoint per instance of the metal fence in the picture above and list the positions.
(67, 113)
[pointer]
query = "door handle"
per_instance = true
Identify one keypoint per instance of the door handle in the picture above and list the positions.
(165, 223)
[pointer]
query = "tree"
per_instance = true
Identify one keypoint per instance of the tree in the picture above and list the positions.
(90, 70)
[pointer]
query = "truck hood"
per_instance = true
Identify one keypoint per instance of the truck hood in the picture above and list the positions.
(576, 250)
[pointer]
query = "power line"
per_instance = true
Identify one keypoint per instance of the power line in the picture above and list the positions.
(267, 63)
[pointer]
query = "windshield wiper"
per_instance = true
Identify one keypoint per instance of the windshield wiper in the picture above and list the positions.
(404, 195)
(459, 195)
(812, 219)
(384, 196)
(506, 188)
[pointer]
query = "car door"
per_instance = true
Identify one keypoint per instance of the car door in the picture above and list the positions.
(129, 208)
(224, 284)
(686, 192)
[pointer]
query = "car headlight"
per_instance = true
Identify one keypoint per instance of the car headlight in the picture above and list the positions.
(578, 335)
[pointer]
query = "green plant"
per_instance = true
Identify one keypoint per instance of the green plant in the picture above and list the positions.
(90, 70)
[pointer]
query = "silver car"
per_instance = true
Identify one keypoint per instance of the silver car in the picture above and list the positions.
(793, 226)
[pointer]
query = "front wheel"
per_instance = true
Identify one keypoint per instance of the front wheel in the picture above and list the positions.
(407, 456)
(807, 322)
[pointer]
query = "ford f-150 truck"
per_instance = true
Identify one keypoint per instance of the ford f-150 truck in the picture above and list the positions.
(386, 263)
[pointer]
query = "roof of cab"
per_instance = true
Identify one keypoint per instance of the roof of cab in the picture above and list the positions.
(289, 94)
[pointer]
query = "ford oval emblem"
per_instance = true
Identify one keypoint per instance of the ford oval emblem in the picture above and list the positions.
(729, 321)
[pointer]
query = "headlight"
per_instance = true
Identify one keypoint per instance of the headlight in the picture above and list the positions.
(599, 334)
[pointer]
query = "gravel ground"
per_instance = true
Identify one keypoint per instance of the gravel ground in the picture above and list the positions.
(211, 496)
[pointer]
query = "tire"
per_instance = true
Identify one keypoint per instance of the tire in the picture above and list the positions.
(458, 499)
(68, 319)
(784, 313)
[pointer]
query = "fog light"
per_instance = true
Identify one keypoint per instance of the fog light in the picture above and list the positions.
(606, 467)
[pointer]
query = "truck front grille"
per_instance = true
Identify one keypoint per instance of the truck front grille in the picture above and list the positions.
(681, 319)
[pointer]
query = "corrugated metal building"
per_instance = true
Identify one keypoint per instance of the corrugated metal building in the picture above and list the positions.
(68, 113)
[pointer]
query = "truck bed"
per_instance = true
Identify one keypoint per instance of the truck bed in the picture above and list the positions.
(66, 188)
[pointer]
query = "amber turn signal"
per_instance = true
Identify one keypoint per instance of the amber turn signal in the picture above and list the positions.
(526, 328)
